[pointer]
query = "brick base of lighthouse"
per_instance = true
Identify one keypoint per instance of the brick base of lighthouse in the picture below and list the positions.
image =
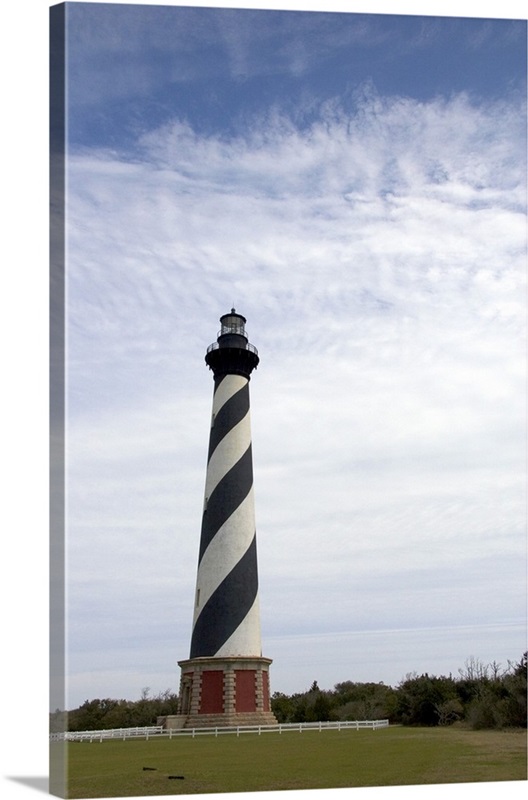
(225, 692)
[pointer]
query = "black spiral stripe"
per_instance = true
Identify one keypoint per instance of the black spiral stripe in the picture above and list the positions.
(228, 416)
(227, 583)
(226, 498)
(227, 607)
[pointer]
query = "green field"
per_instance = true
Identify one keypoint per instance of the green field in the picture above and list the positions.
(309, 760)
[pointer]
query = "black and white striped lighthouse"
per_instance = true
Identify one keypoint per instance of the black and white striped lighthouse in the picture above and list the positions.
(225, 680)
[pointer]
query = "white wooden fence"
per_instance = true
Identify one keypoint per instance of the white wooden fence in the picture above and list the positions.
(155, 731)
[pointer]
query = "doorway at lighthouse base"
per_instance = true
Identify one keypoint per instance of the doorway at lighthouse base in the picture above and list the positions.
(224, 692)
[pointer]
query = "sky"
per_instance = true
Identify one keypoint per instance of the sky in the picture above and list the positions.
(355, 185)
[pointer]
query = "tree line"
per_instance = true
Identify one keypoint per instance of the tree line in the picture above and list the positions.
(108, 714)
(481, 696)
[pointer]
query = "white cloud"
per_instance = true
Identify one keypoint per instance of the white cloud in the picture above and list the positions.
(379, 260)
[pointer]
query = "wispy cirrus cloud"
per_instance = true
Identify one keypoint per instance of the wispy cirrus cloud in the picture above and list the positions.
(378, 255)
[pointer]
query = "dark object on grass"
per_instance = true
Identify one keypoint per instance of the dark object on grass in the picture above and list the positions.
(153, 769)
(176, 777)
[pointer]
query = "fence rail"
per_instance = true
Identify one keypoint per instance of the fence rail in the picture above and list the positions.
(155, 731)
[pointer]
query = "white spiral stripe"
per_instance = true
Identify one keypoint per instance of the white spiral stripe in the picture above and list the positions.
(225, 551)
(227, 453)
(246, 639)
(229, 386)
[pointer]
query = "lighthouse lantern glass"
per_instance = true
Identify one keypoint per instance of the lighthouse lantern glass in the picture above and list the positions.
(233, 323)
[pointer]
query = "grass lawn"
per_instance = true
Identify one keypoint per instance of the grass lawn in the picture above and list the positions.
(309, 760)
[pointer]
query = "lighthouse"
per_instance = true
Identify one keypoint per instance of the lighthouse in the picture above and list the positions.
(225, 680)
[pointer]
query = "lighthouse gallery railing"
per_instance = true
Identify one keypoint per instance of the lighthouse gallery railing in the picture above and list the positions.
(248, 346)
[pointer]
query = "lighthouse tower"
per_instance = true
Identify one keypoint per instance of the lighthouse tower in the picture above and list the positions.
(224, 682)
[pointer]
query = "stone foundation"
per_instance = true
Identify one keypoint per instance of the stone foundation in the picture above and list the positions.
(230, 720)
(225, 692)
(172, 721)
